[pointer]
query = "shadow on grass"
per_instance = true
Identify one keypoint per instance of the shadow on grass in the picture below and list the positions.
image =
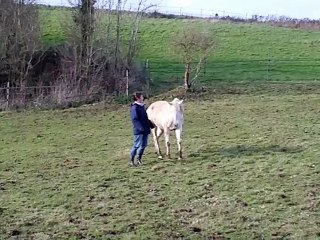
(243, 150)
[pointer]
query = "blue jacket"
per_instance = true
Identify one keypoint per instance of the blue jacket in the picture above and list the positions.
(140, 121)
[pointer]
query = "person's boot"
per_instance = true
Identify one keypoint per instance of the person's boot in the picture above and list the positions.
(139, 160)
(132, 162)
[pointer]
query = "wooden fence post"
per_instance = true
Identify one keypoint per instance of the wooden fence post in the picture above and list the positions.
(148, 76)
(268, 67)
(127, 85)
(8, 94)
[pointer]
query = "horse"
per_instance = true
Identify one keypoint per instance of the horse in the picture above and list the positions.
(166, 117)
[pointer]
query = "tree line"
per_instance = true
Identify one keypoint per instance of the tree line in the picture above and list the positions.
(88, 61)
(95, 57)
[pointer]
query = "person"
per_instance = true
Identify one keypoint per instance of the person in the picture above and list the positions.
(141, 128)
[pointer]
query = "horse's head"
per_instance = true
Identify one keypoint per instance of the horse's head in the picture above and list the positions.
(178, 104)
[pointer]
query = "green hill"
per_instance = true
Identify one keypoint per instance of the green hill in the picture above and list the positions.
(244, 52)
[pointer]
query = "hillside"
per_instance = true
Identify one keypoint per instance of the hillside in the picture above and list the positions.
(244, 52)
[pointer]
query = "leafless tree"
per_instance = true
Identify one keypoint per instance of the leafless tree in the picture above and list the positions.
(192, 46)
(19, 39)
(121, 46)
(132, 48)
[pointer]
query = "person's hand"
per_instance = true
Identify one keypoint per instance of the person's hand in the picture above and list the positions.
(151, 124)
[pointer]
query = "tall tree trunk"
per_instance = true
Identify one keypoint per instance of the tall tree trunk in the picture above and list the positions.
(118, 37)
(187, 84)
(86, 16)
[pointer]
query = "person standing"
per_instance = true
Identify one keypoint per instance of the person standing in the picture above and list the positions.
(141, 128)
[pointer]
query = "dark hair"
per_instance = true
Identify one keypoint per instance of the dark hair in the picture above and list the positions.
(136, 96)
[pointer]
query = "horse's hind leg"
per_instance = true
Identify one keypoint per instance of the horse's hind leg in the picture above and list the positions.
(157, 132)
(156, 145)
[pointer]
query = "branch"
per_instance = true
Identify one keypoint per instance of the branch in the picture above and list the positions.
(198, 69)
(135, 27)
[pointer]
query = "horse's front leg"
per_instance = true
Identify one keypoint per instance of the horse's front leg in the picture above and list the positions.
(167, 139)
(178, 137)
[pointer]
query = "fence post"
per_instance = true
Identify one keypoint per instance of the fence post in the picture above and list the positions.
(205, 67)
(268, 66)
(8, 94)
(127, 84)
(148, 75)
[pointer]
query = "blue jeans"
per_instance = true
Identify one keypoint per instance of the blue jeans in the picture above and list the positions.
(139, 145)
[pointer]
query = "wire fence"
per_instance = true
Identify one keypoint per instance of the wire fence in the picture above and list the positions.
(164, 75)
(165, 9)
(245, 70)
(168, 10)
(66, 95)
(44, 97)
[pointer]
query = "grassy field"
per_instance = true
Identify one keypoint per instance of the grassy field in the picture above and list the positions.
(242, 50)
(251, 170)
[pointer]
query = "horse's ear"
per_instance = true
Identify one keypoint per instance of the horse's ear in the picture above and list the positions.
(181, 101)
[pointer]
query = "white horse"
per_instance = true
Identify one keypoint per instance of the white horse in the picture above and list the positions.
(166, 117)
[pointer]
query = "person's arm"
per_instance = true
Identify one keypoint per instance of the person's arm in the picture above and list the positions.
(135, 118)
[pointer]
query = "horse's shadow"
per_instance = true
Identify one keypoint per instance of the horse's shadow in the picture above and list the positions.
(243, 150)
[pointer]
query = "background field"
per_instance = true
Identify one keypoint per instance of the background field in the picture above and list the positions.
(244, 52)
(251, 170)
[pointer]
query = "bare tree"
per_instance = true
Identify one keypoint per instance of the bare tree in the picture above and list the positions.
(118, 26)
(192, 46)
(19, 39)
(109, 39)
(124, 46)
(84, 20)
(132, 49)
(128, 46)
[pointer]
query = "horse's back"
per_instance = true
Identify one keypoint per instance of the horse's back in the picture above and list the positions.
(164, 115)
(158, 107)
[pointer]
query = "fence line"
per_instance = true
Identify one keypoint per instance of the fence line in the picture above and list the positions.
(155, 60)
(32, 87)
(183, 11)
(48, 96)
(171, 73)
(179, 11)
(262, 70)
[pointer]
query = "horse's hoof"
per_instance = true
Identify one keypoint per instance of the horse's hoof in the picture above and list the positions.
(180, 158)
(160, 157)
